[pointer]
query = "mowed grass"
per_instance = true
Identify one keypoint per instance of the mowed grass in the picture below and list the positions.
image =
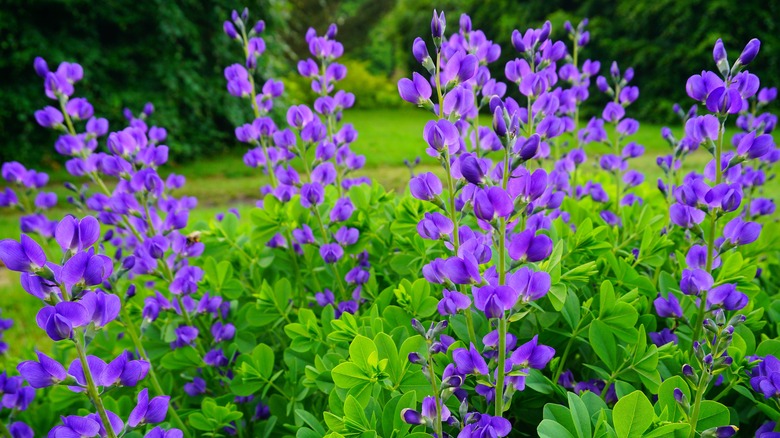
(385, 137)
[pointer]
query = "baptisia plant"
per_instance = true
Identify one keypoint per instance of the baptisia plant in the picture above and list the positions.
(488, 221)
(75, 307)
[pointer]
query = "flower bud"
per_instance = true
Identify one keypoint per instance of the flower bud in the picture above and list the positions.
(749, 52)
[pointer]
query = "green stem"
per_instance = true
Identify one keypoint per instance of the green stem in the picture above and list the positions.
(4, 430)
(700, 389)
(432, 374)
(711, 238)
(92, 391)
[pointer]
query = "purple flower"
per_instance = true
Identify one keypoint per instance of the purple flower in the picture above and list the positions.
(461, 270)
(469, 361)
(695, 281)
(663, 337)
(765, 377)
(59, 320)
(196, 387)
(45, 372)
(527, 246)
(749, 52)
(727, 296)
(331, 252)
(452, 302)
(532, 354)
(223, 332)
(685, 216)
(495, 300)
(74, 426)
(312, 195)
(740, 232)
(669, 307)
(755, 146)
(102, 307)
(425, 187)
(435, 226)
(124, 371)
(185, 336)
(21, 430)
(215, 358)
(86, 269)
(697, 257)
(492, 203)
(148, 411)
(342, 210)
(23, 256)
(613, 112)
(441, 135)
(528, 284)
(484, 425)
(416, 90)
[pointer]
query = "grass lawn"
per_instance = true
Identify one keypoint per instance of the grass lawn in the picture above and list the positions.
(385, 137)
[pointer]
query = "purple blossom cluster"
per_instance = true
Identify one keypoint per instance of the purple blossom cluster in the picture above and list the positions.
(27, 197)
(716, 210)
(309, 130)
(489, 217)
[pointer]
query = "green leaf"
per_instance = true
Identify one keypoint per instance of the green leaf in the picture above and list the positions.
(311, 421)
(666, 399)
(182, 358)
(263, 358)
(632, 415)
(712, 414)
(580, 415)
(348, 375)
(360, 351)
(603, 343)
(552, 429)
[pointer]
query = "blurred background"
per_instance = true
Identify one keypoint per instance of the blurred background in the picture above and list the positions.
(172, 53)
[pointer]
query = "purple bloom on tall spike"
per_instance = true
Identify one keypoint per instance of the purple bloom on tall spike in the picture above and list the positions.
(342, 210)
(434, 226)
(495, 300)
(740, 232)
(532, 354)
(685, 216)
(416, 90)
(530, 285)
(695, 281)
(452, 302)
(102, 307)
(469, 361)
(148, 411)
(185, 336)
(749, 52)
(312, 195)
(74, 426)
(86, 269)
(461, 270)
(59, 320)
(613, 112)
(124, 371)
(331, 252)
(697, 257)
(526, 246)
(727, 296)
(438, 25)
(195, 388)
(765, 377)
(484, 425)
(669, 307)
(425, 187)
(23, 256)
(663, 337)
(492, 203)
(45, 372)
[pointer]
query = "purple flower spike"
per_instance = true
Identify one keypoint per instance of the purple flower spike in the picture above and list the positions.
(45, 372)
(532, 354)
(441, 135)
(469, 361)
(23, 256)
(331, 252)
(102, 307)
(86, 269)
(435, 226)
(148, 411)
